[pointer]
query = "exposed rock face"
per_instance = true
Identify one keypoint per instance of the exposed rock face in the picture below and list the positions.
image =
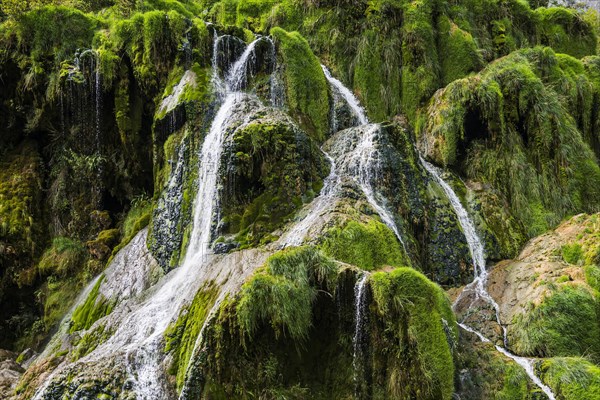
(552, 287)
(10, 373)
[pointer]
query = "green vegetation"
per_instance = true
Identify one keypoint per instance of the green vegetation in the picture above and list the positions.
(571, 378)
(368, 246)
(64, 257)
(572, 253)
(181, 336)
(415, 350)
(92, 309)
(565, 323)
(278, 167)
(282, 293)
(489, 123)
(306, 87)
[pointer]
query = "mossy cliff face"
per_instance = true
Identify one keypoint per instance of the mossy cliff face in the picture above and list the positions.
(105, 107)
(279, 316)
(488, 124)
(270, 168)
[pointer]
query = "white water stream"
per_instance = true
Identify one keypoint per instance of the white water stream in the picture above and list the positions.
(479, 283)
(139, 334)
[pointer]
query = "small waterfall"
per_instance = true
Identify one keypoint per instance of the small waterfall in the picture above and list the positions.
(364, 165)
(360, 339)
(525, 363)
(476, 247)
(360, 163)
(478, 285)
(348, 96)
(139, 334)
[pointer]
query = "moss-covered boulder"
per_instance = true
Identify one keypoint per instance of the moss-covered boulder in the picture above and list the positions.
(508, 115)
(548, 296)
(289, 332)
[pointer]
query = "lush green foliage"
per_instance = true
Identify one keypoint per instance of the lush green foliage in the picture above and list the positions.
(368, 246)
(62, 258)
(572, 253)
(565, 323)
(306, 86)
(282, 293)
(420, 325)
(508, 127)
(571, 378)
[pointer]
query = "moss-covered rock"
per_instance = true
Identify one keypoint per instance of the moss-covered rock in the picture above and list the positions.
(571, 378)
(486, 124)
(307, 91)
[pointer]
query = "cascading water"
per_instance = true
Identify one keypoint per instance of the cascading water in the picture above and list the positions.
(364, 165)
(359, 341)
(360, 163)
(348, 96)
(476, 248)
(139, 335)
(478, 285)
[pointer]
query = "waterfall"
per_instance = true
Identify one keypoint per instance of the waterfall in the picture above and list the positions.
(525, 363)
(364, 165)
(474, 242)
(359, 341)
(139, 335)
(360, 163)
(352, 101)
(478, 285)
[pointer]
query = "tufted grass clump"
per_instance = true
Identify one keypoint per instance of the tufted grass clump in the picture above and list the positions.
(564, 323)
(571, 378)
(368, 246)
(419, 327)
(64, 256)
(572, 253)
(282, 293)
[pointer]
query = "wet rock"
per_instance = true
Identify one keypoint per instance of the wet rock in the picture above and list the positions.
(222, 248)
(10, 373)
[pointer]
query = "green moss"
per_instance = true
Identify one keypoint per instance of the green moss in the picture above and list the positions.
(92, 309)
(460, 55)
(20, 194)
(90, 341)
(252, 14)
(181, 336)
(571, 378)
(43, 32)
(566, 31)
(282, 293)
(417, 317)
(368, 246)
(64, 257)
(572, 253)
(376, 75)
(509, 115)
(150, 41)
(277, 166)
(137, 218)
(306, 87)
(565, 323)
